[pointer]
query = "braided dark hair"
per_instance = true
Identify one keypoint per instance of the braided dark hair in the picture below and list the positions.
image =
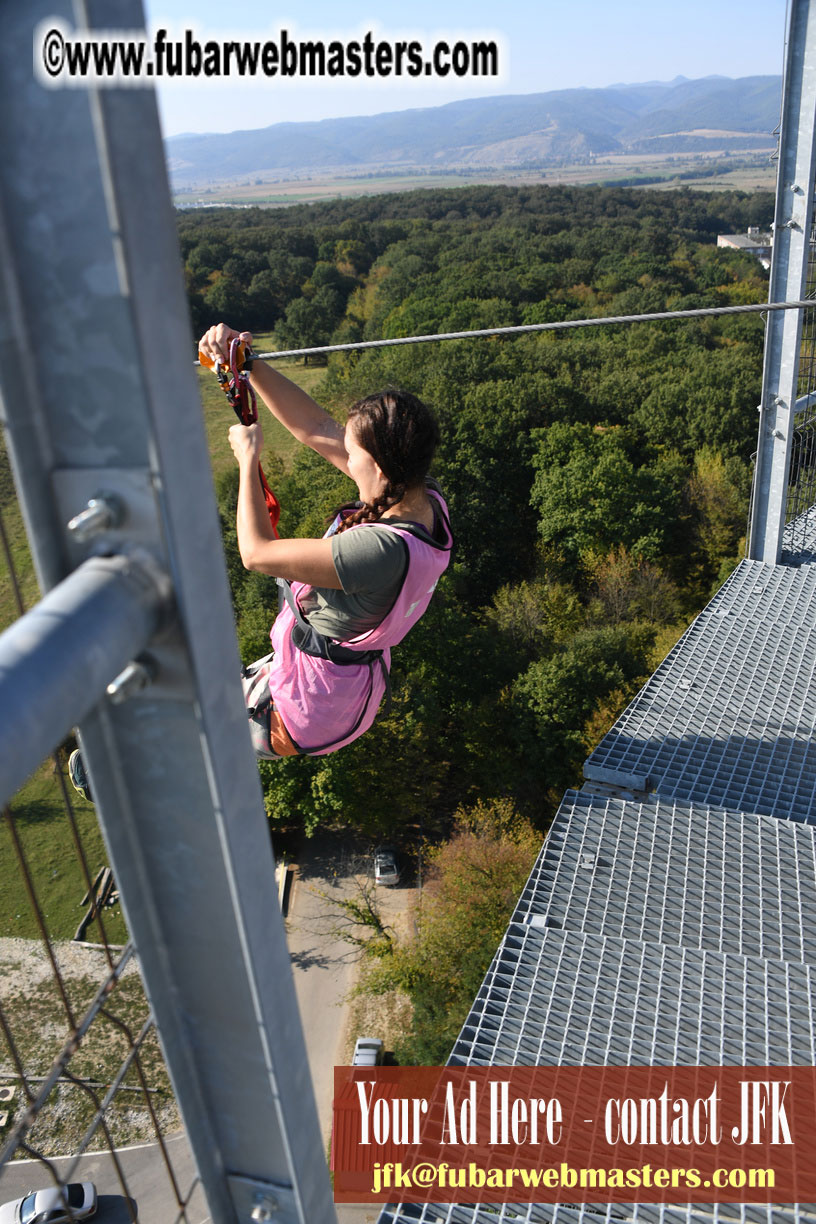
(401, 435)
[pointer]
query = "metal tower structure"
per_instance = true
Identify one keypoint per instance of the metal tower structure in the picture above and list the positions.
(133, 641)
(785, 479)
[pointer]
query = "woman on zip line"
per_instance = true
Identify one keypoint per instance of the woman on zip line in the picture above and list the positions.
(355, 593)
(350, 596)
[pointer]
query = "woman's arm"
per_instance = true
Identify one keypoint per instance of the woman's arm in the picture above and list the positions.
(295, 410)
(298, 560)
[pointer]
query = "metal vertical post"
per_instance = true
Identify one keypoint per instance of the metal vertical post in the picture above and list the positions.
(99, 397)
(792, 235)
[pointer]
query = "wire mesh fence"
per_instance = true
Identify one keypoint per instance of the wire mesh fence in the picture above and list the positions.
(800, 515)
(82, 1074)
(802, 483)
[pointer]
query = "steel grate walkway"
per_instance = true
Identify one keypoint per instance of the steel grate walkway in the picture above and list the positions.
(555, 996)
(567, 997)
(728, 717)
(675, 928)
(674, 873)
(596, 1213)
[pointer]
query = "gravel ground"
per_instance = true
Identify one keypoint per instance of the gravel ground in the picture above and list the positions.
(35, 1015)
(38, 1025)
(24, 963)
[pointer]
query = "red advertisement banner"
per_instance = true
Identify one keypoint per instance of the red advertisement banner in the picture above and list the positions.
(574, 1134)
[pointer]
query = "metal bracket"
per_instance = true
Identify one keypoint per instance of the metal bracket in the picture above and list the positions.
(135, 497)
(258, 1202)
(138, 674)
(103, 512)
(611, 790)
(134, 527)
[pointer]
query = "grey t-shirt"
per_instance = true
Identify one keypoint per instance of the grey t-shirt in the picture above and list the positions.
(370, 562)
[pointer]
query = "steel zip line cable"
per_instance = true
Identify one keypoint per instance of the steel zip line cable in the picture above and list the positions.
(534, 327)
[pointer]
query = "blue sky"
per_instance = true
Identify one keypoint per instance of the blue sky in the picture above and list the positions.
(546, 45)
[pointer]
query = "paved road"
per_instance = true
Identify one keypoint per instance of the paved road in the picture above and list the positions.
(324, 966)
(145, 1175)
(151, 1194)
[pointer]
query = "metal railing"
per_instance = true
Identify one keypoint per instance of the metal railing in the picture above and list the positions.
(133, 643)
(54, 1107)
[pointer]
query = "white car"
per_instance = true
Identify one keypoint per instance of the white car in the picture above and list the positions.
(386, 870)
(368, 1052)
(48, 1206)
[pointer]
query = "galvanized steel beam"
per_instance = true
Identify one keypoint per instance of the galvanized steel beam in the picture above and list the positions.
(111, 406)
(792, 245)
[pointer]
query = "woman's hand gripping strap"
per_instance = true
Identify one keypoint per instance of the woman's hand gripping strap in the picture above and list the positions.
(236, 386)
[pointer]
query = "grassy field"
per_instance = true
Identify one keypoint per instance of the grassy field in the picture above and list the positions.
(14, 531)
(312, 190)
(49, 848)
(40, 819)
(749, 172)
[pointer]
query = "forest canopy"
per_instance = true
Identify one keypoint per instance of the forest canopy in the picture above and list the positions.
(598, 479)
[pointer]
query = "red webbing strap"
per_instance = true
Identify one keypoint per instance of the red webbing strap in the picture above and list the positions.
(238, 390)
(242, 398)
(272, 503)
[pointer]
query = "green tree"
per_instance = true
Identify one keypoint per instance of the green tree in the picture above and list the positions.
(473, 883)
(627, 588)
(536, 616)
(718, 495)
(226, 299)
(563, 691)
(591, 494)
(574, 464)
(306, 324)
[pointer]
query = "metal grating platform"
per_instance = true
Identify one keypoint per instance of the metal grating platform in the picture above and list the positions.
(564, 997)
(755, 591)
(728, 717)
(596, 1213)
(675, 873)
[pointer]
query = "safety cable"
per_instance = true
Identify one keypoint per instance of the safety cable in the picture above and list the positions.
(603, 321)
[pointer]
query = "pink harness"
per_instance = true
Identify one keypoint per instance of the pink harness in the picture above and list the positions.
(326, 704)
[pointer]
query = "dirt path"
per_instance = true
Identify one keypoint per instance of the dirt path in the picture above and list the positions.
(326, 968)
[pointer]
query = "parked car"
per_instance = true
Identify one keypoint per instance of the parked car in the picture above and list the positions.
(368, 1052)
(386, 870)
(48, 1206)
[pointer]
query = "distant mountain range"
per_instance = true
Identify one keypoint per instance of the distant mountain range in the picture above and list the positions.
(530, 130)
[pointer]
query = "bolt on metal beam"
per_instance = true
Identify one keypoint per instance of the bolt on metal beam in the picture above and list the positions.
(89, 257)
(56, 660)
